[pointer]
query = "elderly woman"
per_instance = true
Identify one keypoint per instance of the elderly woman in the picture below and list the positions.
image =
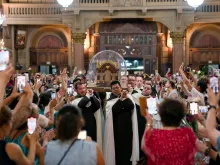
(170, 145)
(67, 149)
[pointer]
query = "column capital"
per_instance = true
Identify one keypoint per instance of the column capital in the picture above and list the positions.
(78, 37)
(177, 37)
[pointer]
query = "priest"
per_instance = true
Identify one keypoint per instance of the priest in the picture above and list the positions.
(121, 146)
(148, 93)
(88, 104)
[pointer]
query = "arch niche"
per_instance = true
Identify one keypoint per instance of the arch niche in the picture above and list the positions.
(204, 46)
(48, 47)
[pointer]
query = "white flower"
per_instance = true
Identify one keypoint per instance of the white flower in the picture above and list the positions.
(199, 72)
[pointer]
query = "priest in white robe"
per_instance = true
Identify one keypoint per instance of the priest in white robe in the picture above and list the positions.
(121, 142)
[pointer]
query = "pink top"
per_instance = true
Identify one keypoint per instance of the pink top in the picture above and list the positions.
(170, 147)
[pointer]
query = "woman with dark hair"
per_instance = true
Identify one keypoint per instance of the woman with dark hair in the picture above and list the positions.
(67, 149)
(170, 145)
(171, 90)
(11, 153)
(44, 101)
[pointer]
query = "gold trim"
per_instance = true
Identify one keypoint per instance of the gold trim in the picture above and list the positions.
(177, 37)
(78, 37)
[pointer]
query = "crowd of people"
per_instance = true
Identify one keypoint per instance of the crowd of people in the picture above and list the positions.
(59, 119)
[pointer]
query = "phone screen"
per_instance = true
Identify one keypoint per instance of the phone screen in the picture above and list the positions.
(31, 125)
(82, 135)
(4, 60)
(194, 108)
(214, 84)
(53, 95)
(203, 109)
(70, 91)
(27, 77)
(20, 83)
(152, 105)
(179, 79)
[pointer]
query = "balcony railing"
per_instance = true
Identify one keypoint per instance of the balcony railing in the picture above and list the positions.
(17, 10)
(14, 10)
(209, 8)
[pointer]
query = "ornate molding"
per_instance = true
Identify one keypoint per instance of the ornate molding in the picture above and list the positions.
(78, 38)
(177, 37)
(127, 3)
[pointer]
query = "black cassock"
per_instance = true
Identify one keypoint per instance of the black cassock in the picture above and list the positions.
(88, 111)
(123, 135)
(141, 128)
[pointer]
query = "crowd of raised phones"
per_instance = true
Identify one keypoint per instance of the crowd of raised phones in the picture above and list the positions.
(60, 120)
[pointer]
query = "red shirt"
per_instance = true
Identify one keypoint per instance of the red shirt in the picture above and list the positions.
(170, 147)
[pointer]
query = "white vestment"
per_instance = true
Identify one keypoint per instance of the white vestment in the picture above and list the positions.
(156, 117)
(109, 144)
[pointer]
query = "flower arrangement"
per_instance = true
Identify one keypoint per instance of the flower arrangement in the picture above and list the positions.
(198, 73)
(192, 122)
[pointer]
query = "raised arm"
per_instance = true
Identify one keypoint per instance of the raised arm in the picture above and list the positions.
(23, 108)
(213, 134)
(4, 77)
(13, 96)
(185, 80)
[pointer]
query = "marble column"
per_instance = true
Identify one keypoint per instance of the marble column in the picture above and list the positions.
(178, 49)
(78, 49)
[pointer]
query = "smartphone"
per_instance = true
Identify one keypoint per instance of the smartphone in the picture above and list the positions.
(82, 135)
(203, 109)
(214, 84)
(53, 95)
(156, 72)
(20, 83)
(70, 91)
(168, 70)
(193, 108)
(27, 77)
(4, 60)
(152, 105)
(31, 125)
(179, 79)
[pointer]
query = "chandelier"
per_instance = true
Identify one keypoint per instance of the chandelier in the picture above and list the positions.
(195, 3)
(65, 3)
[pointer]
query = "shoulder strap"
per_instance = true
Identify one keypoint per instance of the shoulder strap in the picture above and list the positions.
(66, 152)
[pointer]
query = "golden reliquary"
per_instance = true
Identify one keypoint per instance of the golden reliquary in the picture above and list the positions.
(106, 72)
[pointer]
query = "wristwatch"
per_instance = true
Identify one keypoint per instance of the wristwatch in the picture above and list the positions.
(64, 100)
(211, 106)
(207, 151)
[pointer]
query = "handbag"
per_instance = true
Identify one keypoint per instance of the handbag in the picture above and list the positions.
(66, 152)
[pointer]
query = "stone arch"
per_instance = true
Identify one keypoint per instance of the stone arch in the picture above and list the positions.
(200, 27)
(50, 41)
(204, 43)
(36, 34)
(205, 37)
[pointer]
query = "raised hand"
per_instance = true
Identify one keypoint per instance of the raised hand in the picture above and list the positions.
(6, 75)
(213, 99)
